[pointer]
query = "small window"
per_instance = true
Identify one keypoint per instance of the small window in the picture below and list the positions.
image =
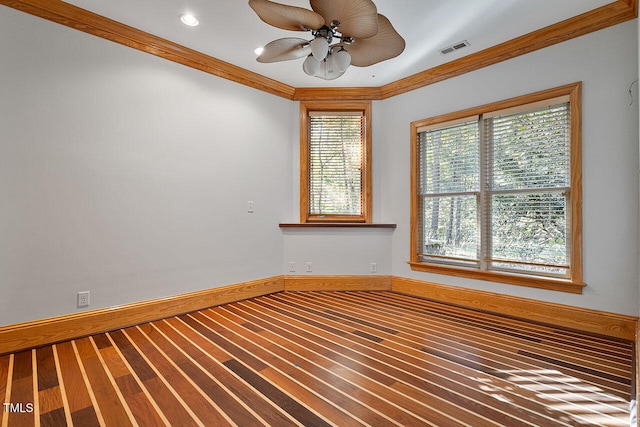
(335, 162)
(497, 192)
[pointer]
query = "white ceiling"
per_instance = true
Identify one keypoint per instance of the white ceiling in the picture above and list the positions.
(229, 30)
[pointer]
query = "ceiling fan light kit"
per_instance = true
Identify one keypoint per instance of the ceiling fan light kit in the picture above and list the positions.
(341, 59)
(362, 36)
(319, 48)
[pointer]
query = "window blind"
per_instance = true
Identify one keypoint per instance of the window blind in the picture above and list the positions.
(494, 190)
(528, 179)
(335, 163)
(530, 150)
(497, 191)
(449, 184)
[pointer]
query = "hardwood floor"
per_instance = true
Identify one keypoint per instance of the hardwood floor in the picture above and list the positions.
(321, 359)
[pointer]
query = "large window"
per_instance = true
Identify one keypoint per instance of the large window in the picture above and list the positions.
(335, 165)
(497, 192)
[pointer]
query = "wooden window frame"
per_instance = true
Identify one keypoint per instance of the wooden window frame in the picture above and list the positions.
(329, 106)
(574, 283)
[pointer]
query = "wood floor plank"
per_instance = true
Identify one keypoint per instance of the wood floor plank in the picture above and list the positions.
(117, 364)
(54, 418)
(78, 398)
(325, 358)
(418, 371)
(208, 373)
(49, 395)
(288, 403)
(605, 380)
(334, 325)
(63, 391)
(86, 417)
(172, 405)
(353, 369)
(306, 368)
(143, 408)
(198, 401)
(110, 402)
(567, 337)
(425, 390)
(417, 364)
(22, 391)
(47, 373)
(6, 370)
(544, 343)
(305, 373)
(352, 302)
(50, 400)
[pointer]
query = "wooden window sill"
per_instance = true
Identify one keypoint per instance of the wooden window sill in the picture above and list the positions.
(335, 225)
(561, 285)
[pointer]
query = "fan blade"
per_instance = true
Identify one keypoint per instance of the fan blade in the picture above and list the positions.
(286, 17)
(285, 50)
(358, 18)
(385, 45)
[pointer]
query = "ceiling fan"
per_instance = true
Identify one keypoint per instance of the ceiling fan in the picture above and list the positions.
(345, 32)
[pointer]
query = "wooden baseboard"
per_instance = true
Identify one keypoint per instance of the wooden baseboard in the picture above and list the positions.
(46, 331)
(337, 283)
(598, 322)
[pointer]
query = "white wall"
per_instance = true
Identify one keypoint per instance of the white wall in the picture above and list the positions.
(128, 175)
(334, 251)
(606, 62)
(339, 250)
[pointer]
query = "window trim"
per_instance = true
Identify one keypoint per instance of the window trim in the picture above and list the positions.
(574, 284)
(306, 108)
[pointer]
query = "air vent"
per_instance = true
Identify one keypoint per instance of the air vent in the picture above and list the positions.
(454, 47)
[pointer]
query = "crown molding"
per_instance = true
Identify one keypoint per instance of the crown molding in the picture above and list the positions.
(66, 14)
(337, 93)
(588, 22)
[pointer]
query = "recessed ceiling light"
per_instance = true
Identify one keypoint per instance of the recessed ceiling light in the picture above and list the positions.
(189, 19)
(258, 50)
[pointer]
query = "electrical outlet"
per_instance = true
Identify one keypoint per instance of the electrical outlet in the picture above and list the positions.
(309, 267)
(84, 299)
(292, 267)
(374, 267)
